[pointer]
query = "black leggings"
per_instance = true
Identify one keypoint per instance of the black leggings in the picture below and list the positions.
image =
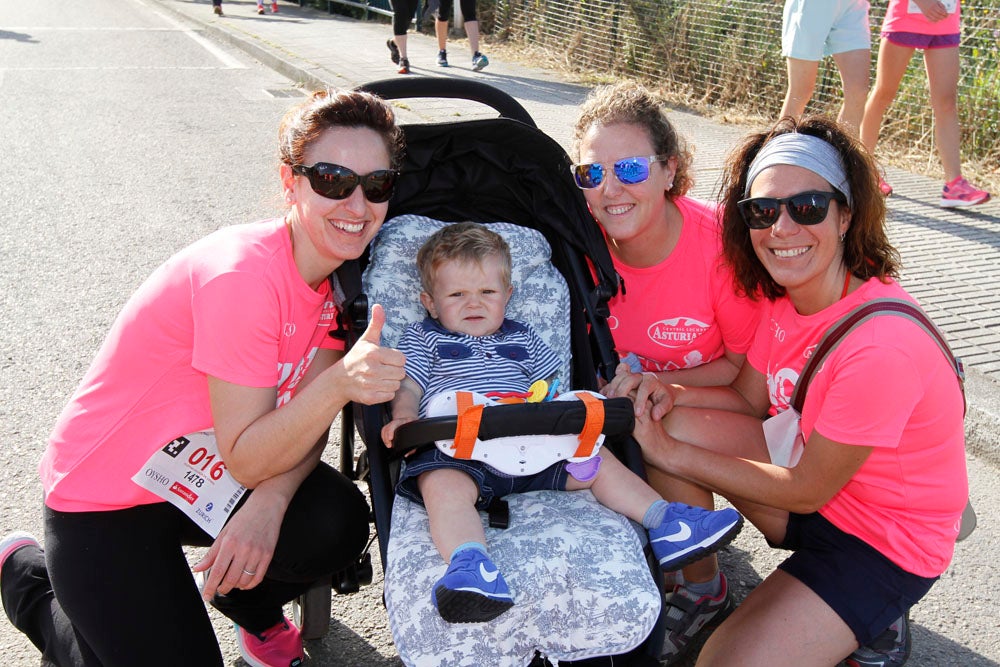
(402, 14)
(114, 588)
(403, 11)
(443, 12)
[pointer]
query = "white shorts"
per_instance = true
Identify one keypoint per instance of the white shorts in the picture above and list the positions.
(812, 29)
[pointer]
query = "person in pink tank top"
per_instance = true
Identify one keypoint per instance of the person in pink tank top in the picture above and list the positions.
(223, 359)
(871, 510)
(678, 315)
(932, 26)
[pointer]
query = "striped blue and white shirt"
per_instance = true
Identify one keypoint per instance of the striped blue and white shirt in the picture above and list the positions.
(440, 360)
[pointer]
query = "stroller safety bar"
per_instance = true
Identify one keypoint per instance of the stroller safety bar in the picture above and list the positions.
(526, 419)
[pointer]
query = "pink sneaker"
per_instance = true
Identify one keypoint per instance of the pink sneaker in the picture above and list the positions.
(278, 646)
(962, 193)
(274, 7)
(13, 542)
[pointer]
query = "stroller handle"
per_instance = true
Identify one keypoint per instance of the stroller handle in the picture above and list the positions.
(412, 87)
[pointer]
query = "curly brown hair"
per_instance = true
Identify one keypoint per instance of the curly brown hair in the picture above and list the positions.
(632, 104)
(867, 251)
(305, 122)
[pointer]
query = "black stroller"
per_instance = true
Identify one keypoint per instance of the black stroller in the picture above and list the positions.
(598, 598)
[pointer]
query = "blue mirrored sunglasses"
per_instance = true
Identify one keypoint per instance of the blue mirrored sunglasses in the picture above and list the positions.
(628, 171)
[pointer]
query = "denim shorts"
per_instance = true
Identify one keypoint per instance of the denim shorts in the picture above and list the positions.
(491, 482)
(867, 590)
(812, 30)
(916, 40)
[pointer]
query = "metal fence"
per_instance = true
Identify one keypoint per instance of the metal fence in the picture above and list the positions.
(727, 53)
(381, 7)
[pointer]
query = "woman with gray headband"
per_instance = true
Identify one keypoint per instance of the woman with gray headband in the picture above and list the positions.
(871, 509)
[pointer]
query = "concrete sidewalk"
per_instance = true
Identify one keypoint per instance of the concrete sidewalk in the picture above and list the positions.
(951, 257)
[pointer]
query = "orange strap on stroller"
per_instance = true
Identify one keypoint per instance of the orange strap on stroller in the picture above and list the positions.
(592, 426)
(467, 429)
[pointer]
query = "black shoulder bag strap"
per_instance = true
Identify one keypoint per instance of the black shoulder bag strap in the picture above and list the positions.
(854, 319)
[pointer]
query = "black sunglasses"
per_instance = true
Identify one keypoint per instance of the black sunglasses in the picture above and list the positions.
(805, 208)
(335, 182)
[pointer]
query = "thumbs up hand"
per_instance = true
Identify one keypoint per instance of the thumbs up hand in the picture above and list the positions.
(373, 372)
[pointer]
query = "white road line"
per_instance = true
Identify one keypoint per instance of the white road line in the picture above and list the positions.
(227, 60)
(116, 68)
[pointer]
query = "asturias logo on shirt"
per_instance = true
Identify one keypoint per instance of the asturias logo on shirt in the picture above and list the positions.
(676, 332)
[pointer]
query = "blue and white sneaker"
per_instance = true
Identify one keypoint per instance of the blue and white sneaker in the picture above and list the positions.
(688, 533)
(479, 61)
(472, 590)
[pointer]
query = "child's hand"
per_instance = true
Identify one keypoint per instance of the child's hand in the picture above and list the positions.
(624, 383)
(389, 430)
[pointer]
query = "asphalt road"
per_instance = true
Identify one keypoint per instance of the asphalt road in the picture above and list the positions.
(126, 136)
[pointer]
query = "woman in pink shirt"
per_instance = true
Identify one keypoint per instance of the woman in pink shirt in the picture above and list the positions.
(220, 371)
(871, 510)
(933, 27)
(677, 314)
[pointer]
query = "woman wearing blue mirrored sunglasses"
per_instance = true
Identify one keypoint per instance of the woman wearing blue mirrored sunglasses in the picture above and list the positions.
(678, 315)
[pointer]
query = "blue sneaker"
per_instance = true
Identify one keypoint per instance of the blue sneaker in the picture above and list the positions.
(479, 61)
(687, 534)
(472, 590)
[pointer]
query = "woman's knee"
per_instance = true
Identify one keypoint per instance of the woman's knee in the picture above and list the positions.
(944, 102)
(327, 521)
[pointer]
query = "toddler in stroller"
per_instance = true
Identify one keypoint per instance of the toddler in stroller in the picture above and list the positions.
(468, 344)
(580, 572)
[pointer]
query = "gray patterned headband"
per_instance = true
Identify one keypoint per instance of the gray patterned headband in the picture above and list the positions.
(806, 151)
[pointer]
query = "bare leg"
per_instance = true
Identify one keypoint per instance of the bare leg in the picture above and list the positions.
(731, 433)
(450, 499)
(942, 78)
(618, 488)
(854, 69)
(801, 83)
(800, 629)
(472, 30)
(401, 43)
(892, 63)
(441, 31)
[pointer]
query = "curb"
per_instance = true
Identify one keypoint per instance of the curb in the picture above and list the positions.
(270, 59)
(982, 419)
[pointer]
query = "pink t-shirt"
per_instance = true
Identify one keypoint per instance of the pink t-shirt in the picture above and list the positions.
(904, 16)
(683, 312)
(232, 305)
(887, 386)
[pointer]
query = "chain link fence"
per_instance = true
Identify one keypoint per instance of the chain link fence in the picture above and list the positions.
(727, 54)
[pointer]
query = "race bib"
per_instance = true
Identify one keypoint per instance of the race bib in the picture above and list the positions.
(949, 5)
(189, 473)
(784, 438)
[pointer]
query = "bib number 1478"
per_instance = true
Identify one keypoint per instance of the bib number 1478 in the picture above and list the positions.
(189, 473)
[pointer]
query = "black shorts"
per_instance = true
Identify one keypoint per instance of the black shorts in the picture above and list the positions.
(866, 589)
